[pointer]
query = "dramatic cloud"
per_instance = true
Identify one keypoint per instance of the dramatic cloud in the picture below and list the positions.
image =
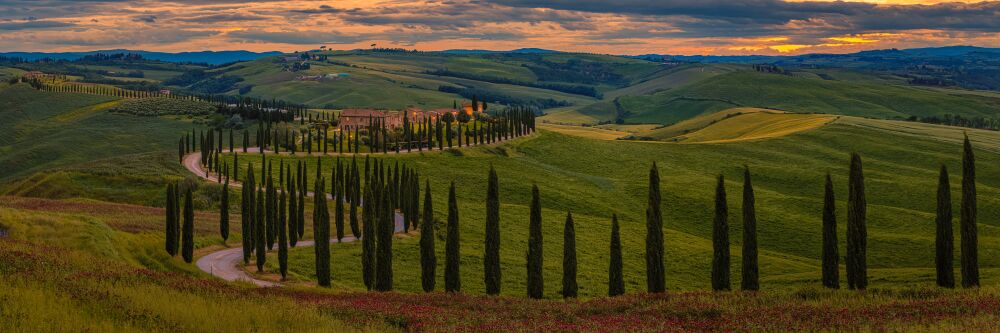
(604, 26)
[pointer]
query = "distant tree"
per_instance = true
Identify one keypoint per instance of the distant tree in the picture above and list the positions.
(536, 282)
(750, 279)
(857, 276)
(944, 244)
(491, 260)
(970, 251)
(654, 236)
(452, 260)
(569, 258)
(831, 257)
(321, 233)
(428, 261)
(187, 246)
(720, 239)
(224, 212)
(616, 282)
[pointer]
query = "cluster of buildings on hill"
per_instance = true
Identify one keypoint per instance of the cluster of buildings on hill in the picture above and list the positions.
(351, 119)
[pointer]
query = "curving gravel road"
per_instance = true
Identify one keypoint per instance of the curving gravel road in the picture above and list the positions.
(226, 264)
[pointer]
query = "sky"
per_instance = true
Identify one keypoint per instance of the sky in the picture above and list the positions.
(688, 27)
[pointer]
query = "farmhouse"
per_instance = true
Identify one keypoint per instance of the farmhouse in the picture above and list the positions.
(351, 119)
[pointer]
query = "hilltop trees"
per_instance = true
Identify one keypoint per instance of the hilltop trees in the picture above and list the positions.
(491, 259)
(720, 239)
(831, 258)
(536, 283)
(569, 258)
(187, 238)
(654, 236)
(944, 259)
(452, 260)
(750, 279)
(970, 252)
(428, 261)
(616, 281)
(857, 276)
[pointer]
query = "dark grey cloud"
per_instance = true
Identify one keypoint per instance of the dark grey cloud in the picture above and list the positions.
(295, 37)
(33, 25)
(145, 18)
(215, 18)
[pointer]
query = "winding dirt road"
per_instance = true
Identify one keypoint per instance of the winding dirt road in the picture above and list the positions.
(226, 264)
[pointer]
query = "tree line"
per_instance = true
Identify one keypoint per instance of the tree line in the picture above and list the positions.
(386, 189)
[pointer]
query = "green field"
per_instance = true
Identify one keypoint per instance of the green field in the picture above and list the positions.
(595, 178)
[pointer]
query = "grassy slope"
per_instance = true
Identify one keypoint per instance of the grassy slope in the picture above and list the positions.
(595, 178)
(807, 95)
(41, 130)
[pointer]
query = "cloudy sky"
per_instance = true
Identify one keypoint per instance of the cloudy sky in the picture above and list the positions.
(599, 26)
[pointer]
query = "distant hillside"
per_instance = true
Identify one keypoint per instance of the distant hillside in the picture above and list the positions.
(209, 57)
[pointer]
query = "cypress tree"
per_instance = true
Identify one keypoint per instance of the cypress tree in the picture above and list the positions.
(338, 190)
(224, 212)
(569, 259)
(857, 276)
(536, 282)
(655, 278)
(187, 246)
(491, 260)
(282, 238)
(750, 272)
(428, 259)
(383, 248)
(171, 227)
(270, 204)
(720, 239)
(368, 239)
(970, 252)
(260, 239)
(831, 257)
(944, 244)
(616, 282)
(321, 234)
(452, 280)
(293, 221)
(355, 186)
(301, 219)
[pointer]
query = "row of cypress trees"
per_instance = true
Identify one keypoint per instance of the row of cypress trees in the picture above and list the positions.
(389, 188)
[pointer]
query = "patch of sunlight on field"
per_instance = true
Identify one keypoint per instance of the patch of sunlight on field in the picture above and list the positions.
(756, 126)
(585, 132)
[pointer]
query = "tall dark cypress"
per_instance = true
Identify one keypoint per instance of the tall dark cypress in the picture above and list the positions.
(720, 239)
(428, 259)
(750, 273)
(616, 281)
(368, 238)
(321, 233)
(857, 270)
(383, 248)
(970, 251)
(831, 256)
(353, 196)
(569, 289)
(171, 227)
(338, 190)
(452, 260)
(303, 191)
(187, 244)
(536, 282)
(282, 237)
(270, 205)
(259, 234)
(491, 260)
(944, 243)
(655, 275)
(224, 212)
(293, 205)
